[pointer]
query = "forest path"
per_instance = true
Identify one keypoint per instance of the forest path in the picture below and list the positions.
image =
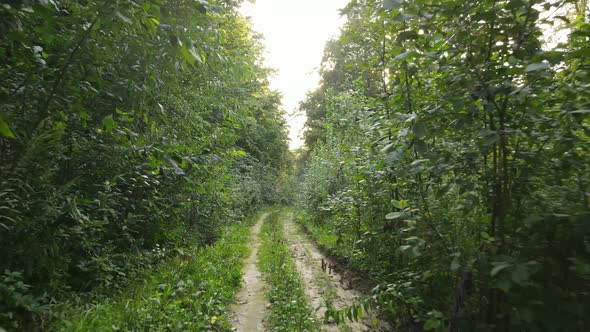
(327, 283)
(248, 313)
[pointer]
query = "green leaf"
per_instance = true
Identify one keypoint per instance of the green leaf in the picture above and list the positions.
(407, 35)
(394, 156)
(418, 162)
(5, 129)
(419, 129)
(108, 124)
(503, 284)
(403, 55)
(394, 215)
(123, 17)
(196, 56)
(392, 4)
(405, 247)
(432, 324)
(85, 116)
(399, 204)
(188, 55)
(536, 66)
(455, 264)
(520, 275)
(420, 146)
(202, 6)
(489, 137)
(498, 267)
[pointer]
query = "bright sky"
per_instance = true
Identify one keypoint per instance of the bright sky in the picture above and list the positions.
(295, 33)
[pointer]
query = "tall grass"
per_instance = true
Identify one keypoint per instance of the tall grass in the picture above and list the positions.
(189, 293)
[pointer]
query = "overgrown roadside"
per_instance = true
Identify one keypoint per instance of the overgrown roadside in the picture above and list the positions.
(189, 293)
(290, 310)
(327, 284)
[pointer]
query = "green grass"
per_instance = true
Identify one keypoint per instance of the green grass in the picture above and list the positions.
(290, 310)
(323, 236)
(189, 293)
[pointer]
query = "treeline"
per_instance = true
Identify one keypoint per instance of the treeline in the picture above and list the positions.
(448, 155)
(128, 129)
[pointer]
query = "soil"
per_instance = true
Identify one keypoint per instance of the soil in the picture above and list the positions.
(328, 282)
(322, 277)
(250, 310)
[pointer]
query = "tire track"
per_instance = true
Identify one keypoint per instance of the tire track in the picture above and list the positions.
(250, 310)
(325, 283)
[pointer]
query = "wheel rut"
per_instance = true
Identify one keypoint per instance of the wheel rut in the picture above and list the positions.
(250, 310)
(322, 282)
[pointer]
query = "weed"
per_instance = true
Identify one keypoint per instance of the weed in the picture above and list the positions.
(290, 309)
(189, 293)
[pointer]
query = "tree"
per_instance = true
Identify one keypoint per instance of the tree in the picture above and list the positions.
(447, 137)
(122, 130)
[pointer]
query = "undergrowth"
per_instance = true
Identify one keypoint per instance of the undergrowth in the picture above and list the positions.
(189, 293)
(290, 310)
(329, 242)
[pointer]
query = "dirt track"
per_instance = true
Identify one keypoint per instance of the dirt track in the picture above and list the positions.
(323, 284)
(248, 313)
(320, 284)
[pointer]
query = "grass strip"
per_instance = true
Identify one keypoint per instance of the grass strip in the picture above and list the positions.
(290, 310)
(189, 293)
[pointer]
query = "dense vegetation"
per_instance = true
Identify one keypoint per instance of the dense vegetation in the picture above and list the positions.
(130, 132)
(190, 292)
(448, 156)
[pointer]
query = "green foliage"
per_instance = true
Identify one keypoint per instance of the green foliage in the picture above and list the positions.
(289, 308)
(448, 158)
(18, 301)
(190, 292)
(127, 130)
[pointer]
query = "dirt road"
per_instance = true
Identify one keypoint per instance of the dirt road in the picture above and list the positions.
(248, 313)
(325, 283)
(321, 283)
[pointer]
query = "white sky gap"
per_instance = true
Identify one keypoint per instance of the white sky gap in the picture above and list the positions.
(295, 33)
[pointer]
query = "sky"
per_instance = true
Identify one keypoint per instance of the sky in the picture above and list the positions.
(295, 32)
